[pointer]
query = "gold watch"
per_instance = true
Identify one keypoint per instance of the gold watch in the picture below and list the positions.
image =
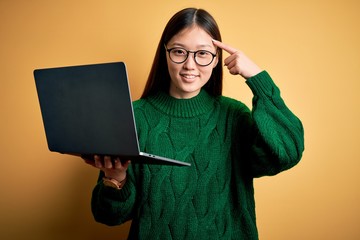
(113, 183)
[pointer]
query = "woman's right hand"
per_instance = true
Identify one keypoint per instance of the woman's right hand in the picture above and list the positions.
(112, 168)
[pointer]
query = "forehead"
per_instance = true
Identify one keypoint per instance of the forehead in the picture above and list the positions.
(191, 37)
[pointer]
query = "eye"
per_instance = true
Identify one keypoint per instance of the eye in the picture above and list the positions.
(203, 53)
(179, 51)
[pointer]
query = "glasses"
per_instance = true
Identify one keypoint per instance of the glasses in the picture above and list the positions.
(179, 55)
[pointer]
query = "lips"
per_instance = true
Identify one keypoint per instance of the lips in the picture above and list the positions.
(188, 77)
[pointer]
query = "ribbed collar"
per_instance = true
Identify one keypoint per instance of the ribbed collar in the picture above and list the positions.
(192, 107)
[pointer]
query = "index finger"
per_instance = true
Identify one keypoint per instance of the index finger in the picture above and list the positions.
(224, 46)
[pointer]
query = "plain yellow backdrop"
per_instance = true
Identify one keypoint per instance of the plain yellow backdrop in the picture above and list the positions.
(311, 48)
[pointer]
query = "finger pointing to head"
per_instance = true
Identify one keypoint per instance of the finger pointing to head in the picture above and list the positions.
(225, 47)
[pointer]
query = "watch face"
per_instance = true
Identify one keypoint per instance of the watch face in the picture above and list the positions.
(109, 183)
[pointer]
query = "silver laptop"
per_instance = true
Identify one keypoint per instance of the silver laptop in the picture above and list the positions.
(87, 110)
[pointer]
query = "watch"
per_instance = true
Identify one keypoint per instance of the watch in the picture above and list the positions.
(113, 183)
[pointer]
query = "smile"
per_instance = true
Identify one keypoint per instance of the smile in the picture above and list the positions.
(189, 76)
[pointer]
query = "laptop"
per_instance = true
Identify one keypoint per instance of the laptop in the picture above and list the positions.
(87, 110)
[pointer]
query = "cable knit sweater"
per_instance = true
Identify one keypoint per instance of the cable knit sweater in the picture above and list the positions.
(228, 146)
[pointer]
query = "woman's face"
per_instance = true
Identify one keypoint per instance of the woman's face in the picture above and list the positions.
(188, 78)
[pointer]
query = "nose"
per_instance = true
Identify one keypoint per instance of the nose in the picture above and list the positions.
(190, 62)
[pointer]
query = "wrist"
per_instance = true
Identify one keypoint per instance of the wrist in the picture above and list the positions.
(114, 183)
(252, 73)
(115, 175)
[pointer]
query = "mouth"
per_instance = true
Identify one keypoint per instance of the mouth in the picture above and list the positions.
(189, 77)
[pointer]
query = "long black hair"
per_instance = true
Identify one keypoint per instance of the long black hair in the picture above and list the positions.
(159, 78)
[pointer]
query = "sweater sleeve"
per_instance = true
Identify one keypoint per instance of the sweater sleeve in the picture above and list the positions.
(279, 142)
(111, 206)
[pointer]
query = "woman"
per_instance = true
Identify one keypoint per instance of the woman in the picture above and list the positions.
(182, 115)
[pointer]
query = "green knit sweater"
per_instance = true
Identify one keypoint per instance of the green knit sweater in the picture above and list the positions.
(227, 145)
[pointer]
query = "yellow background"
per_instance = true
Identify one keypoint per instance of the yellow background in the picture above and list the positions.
(311, 48)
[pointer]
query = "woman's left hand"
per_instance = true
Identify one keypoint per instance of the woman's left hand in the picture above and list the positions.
(238, 62)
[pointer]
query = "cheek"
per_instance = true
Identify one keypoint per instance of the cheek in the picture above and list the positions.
(172, 68)
(207, 72)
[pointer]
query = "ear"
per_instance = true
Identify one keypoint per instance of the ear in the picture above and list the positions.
(216, 61)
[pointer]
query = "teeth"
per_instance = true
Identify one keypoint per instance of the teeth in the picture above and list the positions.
(189, 76)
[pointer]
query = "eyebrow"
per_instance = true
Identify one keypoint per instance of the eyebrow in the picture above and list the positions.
(198, 46)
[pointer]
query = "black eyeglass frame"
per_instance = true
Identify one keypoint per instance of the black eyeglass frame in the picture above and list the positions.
(187, 55)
